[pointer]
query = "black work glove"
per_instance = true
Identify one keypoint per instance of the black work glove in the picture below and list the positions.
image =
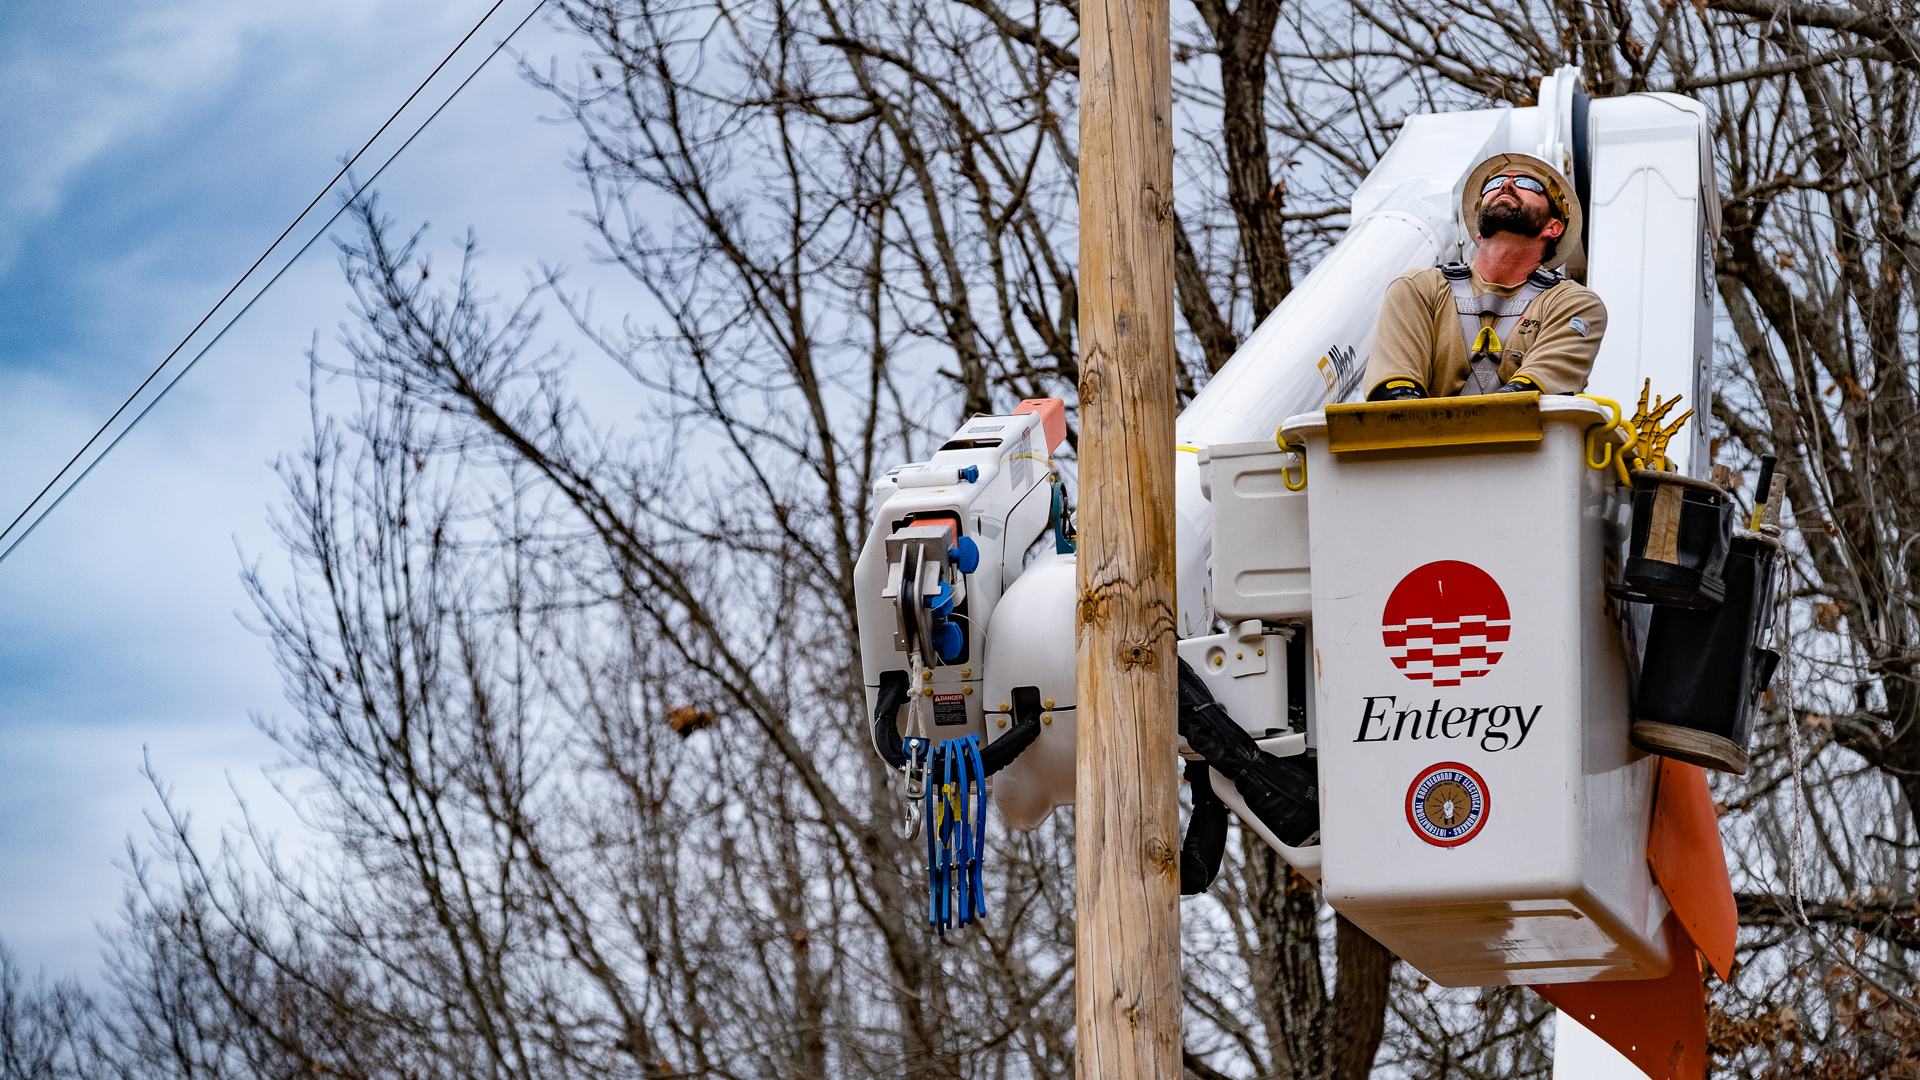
(1397, 390)
(1516, 386)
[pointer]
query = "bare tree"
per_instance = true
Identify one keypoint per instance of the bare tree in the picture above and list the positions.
(577, 702)
(44, 1028)
(1816, 153)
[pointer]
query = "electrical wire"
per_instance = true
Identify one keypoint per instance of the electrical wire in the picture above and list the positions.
(328, 186)
(345, 203)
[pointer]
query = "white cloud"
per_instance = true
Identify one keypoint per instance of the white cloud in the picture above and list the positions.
(150, 158)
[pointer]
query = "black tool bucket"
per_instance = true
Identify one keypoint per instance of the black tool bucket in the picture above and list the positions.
(1679, 541)
(1704, 671)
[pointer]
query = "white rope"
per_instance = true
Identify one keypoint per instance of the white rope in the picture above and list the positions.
(916, 724)
(914, 773)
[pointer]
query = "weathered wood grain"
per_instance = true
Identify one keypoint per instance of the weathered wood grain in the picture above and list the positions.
(1126, 815)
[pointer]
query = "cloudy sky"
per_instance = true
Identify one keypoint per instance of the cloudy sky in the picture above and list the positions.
(153, 149)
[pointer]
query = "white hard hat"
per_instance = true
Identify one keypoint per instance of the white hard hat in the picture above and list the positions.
(1559, 192)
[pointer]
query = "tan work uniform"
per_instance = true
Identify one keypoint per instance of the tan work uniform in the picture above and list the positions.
(1420, 336)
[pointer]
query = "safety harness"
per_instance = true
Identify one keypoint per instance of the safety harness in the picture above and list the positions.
(1484, 338)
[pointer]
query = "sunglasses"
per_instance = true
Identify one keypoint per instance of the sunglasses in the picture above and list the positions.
(1524, 183)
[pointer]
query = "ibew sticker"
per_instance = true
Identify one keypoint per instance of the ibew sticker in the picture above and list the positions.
(1447, 804)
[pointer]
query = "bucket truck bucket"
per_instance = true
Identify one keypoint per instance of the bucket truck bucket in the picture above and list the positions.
(1484, 813)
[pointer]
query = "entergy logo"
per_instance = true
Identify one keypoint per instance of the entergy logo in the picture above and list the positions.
(1445, 622)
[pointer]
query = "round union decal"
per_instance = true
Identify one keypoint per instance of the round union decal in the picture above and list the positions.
(1445, 622)
(1447, 804)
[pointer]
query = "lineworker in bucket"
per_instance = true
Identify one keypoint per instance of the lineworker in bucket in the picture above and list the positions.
(1511, 321)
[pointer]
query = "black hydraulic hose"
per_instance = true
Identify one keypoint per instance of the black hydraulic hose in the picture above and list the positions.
(886, 722)
(1206, 840)
(1210, 731)
(1026, 727)
(997, 755)
(1284, 793)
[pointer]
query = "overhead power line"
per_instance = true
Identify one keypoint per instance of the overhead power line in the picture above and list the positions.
(51, 506)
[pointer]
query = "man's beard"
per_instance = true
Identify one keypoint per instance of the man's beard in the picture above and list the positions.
(1511, 215)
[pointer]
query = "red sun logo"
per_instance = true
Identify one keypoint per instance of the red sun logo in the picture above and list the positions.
(1445, 622)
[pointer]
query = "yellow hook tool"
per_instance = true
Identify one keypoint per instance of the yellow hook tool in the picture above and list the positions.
(1286, 471)
(1602, 435)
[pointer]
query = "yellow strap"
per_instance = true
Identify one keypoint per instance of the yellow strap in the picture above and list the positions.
(1487, 342)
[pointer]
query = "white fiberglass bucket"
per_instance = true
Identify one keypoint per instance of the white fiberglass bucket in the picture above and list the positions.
(1483, 814)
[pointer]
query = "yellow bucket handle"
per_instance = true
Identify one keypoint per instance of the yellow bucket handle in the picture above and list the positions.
(1286, 474)
(1598, 434)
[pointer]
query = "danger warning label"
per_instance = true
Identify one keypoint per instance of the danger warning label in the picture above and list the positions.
(949, 709)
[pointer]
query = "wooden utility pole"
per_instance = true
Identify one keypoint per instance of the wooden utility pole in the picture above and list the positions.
(1126, 816)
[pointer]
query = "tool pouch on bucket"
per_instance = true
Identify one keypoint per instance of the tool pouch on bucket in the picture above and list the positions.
(1705, 669)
